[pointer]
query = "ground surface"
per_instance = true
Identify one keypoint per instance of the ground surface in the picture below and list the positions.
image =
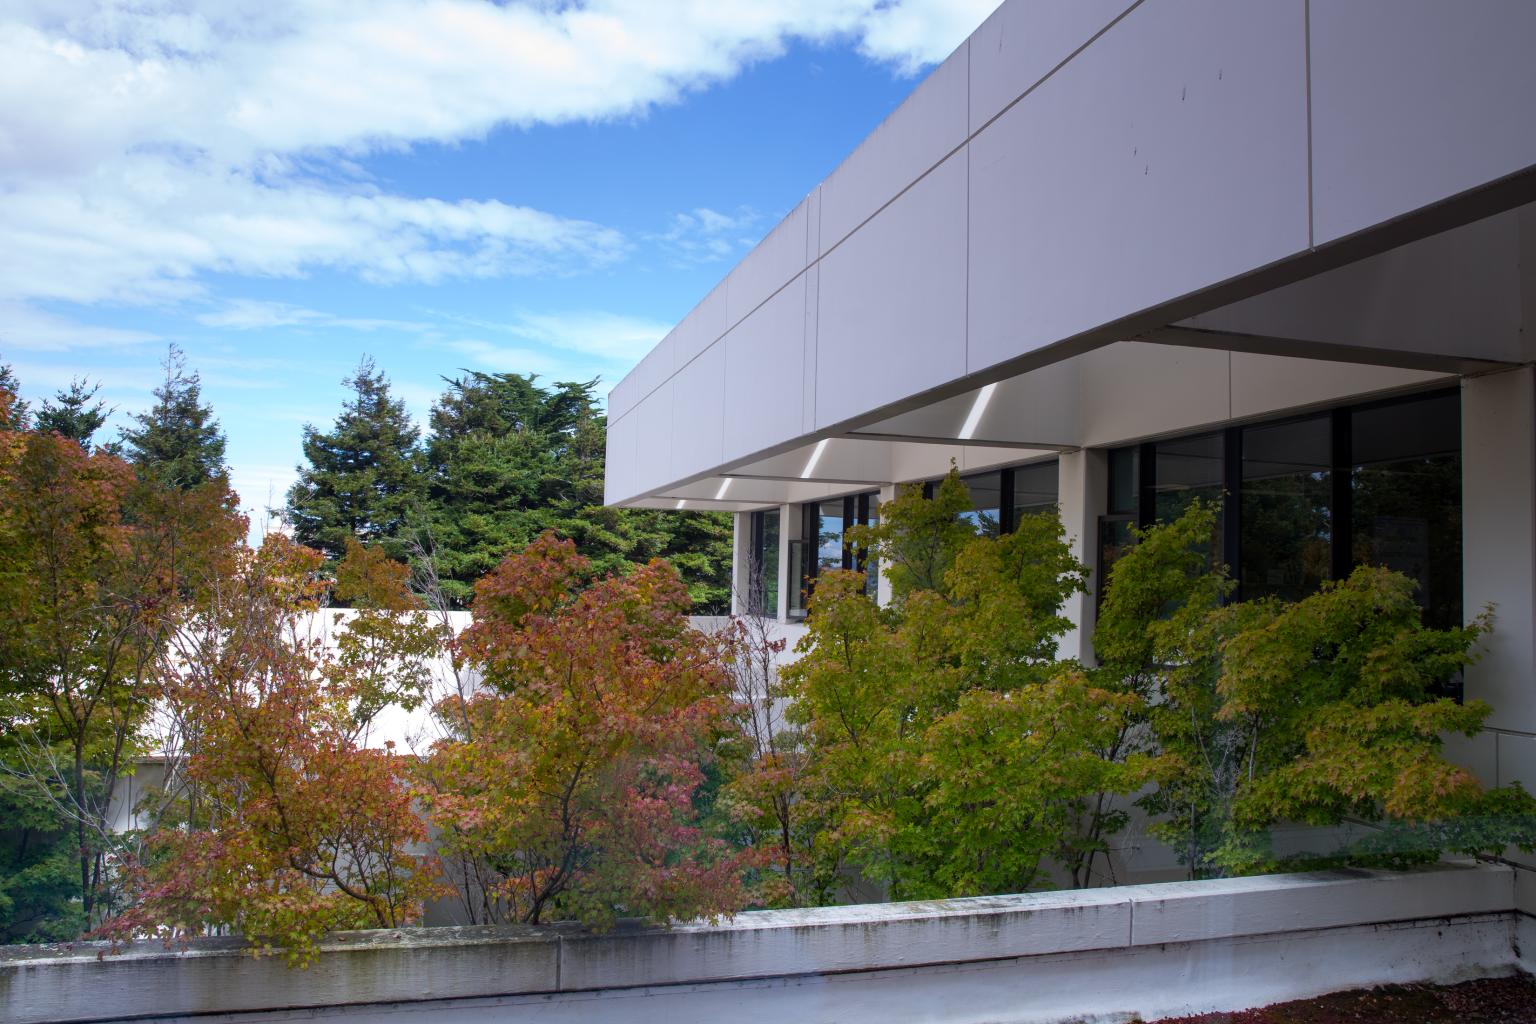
(1490, 1001)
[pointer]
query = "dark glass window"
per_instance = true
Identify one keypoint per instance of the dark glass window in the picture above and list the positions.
(1124, 512)
(1287, 508)
(1036, 488)
(1188, 469)
(1307, 499)
(986, 502)
(1122, 482)
(1405, 491)
(827, 545)
(763, 567)
(830, 524)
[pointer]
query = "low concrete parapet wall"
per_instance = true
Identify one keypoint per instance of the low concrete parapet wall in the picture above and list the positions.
(1147, 950)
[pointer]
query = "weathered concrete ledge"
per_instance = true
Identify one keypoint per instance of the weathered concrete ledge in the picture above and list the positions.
(1034, 957)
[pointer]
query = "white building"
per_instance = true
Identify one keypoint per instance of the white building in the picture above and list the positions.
(1110, 255)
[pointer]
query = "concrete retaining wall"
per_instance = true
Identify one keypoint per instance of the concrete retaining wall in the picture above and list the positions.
(1151, 950)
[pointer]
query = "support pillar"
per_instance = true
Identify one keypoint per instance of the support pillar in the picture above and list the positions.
(1082, 484)
(1498, 444)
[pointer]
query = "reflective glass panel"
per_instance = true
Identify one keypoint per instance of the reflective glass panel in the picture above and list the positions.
(1287, 517)
(1406, 491)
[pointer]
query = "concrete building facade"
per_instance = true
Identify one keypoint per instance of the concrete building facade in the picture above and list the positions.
(1110, 256)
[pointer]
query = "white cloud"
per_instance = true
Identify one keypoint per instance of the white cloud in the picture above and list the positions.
(147, 143)
(253, 314)
(557, 346)
(28, 329)
(707, 236)
(144, 229)
(916, 33)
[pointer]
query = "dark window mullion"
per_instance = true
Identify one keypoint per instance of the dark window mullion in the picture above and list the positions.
(1146, 485)
(1232, 504)
(850, 513)
(1342, 481)
(1005, 502)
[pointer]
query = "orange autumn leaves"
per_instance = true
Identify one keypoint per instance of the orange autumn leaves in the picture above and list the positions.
(572, 777)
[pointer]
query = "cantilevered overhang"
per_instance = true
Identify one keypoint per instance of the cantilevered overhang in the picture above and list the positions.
(1261, 181)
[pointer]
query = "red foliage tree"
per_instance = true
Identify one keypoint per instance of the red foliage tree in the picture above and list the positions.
(571, 780)
(291, 827)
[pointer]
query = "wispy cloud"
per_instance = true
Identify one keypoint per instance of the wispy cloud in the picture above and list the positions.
(254, 314)
(708, 236)
(570, 345)
(26, 328)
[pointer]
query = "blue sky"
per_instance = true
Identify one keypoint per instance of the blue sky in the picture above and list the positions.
(279, 188)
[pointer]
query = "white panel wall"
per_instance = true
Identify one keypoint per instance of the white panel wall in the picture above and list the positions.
(763, 377)
(1166, 157)
(620, 480)
(902, 276)
(646, 377)
(927, 126)
(701, 328)
(1021, 43)
(777, 259)
(653, 435)
(698, 413)
(1414, 101)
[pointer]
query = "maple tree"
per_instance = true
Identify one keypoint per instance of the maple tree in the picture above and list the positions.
(946, 752)
(570, 779)
(94, 565)
(287, 825)
(1320, 711)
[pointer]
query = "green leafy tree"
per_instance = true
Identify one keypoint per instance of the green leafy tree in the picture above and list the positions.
(178, 441)
(1322, 711)
(363, 477)
(74, 413)
(946, 751)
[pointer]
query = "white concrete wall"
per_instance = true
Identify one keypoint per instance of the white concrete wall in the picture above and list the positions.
(1152, 950)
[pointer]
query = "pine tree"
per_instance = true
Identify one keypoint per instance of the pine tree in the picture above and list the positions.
(74, 413)
(178, 441)
(14, 414)
(509, 459)
(363, 478)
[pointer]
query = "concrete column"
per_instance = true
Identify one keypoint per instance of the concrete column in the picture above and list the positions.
(1083, 484)
(789, 529)
(1498, 443)
(883, 584)
(741, 557)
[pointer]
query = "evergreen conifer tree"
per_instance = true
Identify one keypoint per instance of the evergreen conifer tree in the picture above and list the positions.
(15, 414)
(74, 413)
(363, 478)
(177, 441)
(509, 459)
